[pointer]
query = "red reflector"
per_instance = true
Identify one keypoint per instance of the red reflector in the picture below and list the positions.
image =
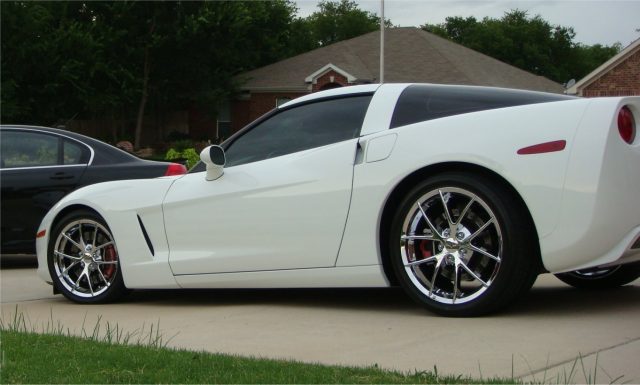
(41, 233)
(175, 169)
(542, 148)
(626, 125)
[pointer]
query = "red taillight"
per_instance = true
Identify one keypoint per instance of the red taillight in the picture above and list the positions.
(626, 125)
(175, 169)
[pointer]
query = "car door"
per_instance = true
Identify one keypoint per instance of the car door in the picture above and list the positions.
(38, 169)
(283, 200)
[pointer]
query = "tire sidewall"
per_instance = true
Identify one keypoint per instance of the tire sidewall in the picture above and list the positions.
(510, 220)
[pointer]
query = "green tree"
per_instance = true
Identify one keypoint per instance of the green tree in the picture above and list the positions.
(340, 20)
(529, 43)
(133, 34)
(124, 60)
(593, 56)
(47, 56)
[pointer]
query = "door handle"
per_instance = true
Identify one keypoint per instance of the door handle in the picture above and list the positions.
(61, 176)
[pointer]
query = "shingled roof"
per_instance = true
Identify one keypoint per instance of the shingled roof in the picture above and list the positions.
(411, 55)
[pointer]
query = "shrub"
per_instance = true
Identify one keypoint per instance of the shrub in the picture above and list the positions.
(189, 155)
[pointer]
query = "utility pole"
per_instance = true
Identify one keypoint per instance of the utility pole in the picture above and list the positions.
(381, 41)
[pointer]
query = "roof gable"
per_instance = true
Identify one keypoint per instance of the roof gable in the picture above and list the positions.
(411, 55)
(329, 67)
(605, 68)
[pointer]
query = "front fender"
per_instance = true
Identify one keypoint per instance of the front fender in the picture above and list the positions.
(120, 204)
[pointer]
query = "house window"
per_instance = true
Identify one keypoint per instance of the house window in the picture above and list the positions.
(281, 101)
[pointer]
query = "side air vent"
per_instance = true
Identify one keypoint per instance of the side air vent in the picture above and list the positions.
(146, 236)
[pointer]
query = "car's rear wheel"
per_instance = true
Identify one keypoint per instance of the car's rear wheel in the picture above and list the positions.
(83, 259)
(462, 245)
(602, 278)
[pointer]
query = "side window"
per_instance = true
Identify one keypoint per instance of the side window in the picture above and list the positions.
(28, 149)
(73, 153)
(300, 128)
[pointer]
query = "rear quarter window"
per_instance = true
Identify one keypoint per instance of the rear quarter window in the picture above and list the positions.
(419, 103)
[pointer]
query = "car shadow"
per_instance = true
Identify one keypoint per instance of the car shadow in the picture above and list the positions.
(558, 301)
(554, 301)
(381, 299)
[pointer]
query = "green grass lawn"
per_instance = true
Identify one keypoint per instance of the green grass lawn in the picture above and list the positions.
(28, 357)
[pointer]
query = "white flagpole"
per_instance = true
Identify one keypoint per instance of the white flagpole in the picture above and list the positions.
(381, 41)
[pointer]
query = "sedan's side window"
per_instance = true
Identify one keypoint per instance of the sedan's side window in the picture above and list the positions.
(300, 128)
(72, 153)
(28, 149)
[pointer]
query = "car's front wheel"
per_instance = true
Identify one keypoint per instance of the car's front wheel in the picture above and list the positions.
(83, 259)
(602, 278)
(462, 245)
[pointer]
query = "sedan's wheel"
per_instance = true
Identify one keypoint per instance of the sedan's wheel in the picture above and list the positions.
(602, 278)
(83, 259)
(461, 245)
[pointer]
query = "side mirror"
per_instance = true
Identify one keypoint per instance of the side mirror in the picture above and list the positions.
(213, 157)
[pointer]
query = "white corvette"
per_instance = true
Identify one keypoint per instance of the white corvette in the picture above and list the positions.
(461, 195)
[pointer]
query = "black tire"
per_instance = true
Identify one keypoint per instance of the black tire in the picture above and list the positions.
(502, 252)
(602, 278)
(83, 259)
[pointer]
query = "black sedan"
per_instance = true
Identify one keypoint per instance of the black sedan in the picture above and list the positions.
(41, 165)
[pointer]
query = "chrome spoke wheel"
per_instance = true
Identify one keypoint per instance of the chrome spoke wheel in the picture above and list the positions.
(451, 245)
(597, 273)
(85, 258)
(602, 277)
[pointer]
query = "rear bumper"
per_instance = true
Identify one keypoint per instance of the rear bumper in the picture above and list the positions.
(599, 222)
(630, 253)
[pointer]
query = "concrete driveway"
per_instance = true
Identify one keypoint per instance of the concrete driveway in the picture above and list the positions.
(539, 339)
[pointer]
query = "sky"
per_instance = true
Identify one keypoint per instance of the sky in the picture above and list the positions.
(594, 21)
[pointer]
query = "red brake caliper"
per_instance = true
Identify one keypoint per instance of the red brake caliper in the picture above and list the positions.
(426, 253)
(109, 255)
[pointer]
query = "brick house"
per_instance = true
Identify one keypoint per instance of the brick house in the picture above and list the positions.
(618, 76)
(411, 55)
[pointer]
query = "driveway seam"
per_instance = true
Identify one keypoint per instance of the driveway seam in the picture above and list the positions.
(547, 368)
(25, 300)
